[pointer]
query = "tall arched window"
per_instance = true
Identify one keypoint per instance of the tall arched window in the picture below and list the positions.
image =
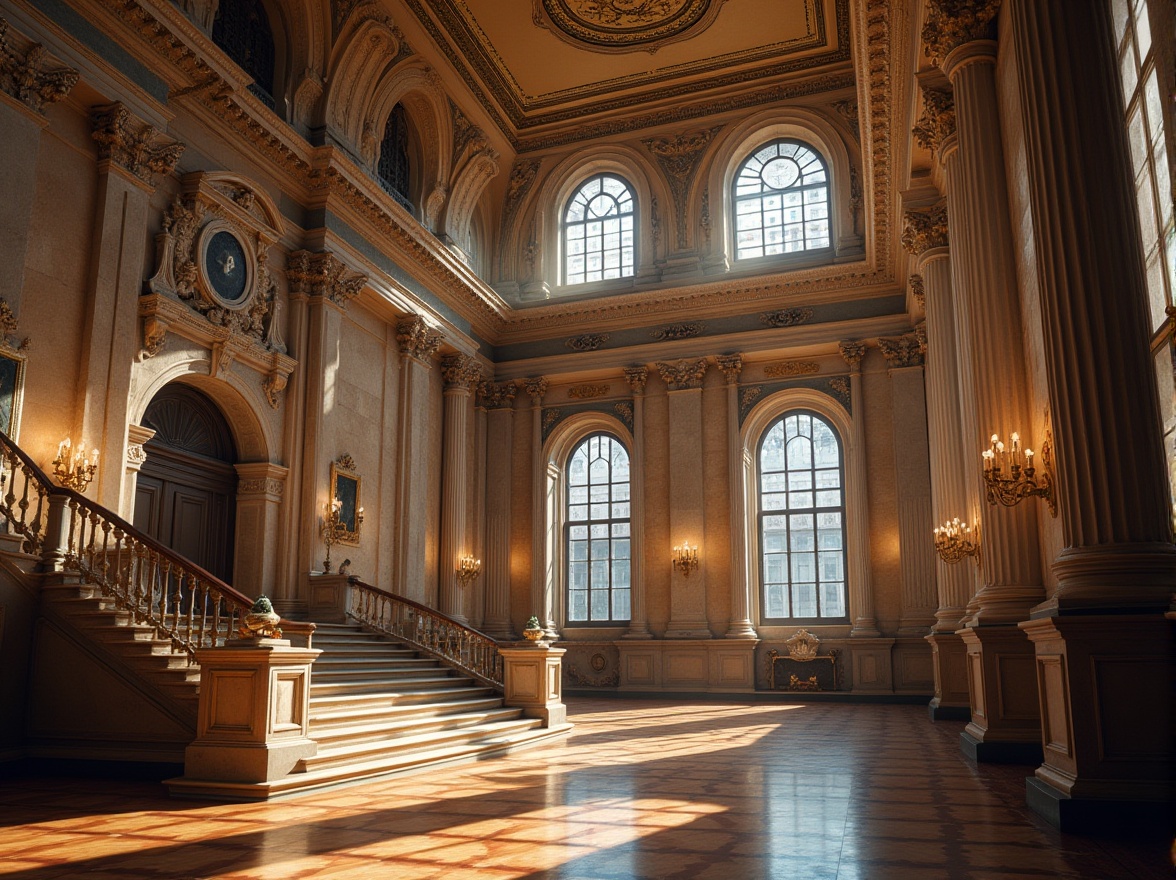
(802, 520)
(598, 231)
(781, 199)
(242, 29)
(393, 168)
(596, 529)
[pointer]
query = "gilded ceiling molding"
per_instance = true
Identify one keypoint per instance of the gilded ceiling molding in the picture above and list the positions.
(416, 339)
(683, 374)
(786, 317)
(923, 230)
(460, 371)
(918, 291)
(731, 365)
(852, 351)
(951, 23)
(791, 368)
(687, 330)
(24, 76)
(625, 25)
(881, 118)
(323, 274)
(588, 392)
(636, 377)
(937, 122)
(132, 144)
(587, 341)
(902, 351)
(679, 158)
(535, 389)
(496, 395)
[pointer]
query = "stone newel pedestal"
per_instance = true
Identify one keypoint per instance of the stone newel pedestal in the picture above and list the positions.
(532, 675)
(253, 717)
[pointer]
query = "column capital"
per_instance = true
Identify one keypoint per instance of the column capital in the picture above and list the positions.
(952, 23)
(460, 371)
(323, 274)
(938, 120)
(918, 290)
(903, 351)
(536, 388)
(133, 145)
(636, 377)
(416, 339)
(683, 374)
(731, 366)
(852, 351)
(496, 395)
(24, 77)
(923, 230)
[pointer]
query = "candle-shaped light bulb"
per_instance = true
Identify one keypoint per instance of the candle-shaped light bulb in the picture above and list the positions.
(994, 439)
(94, 461)
(1016, 439)
(1000, 447)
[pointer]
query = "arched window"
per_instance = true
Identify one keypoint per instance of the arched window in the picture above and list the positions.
(598, 231)
(802, 520)
(781, 200)
(393, 168)
(242, 29)
(596, 529)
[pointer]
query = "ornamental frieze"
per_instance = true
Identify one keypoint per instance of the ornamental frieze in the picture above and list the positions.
(791, 368)
(683, 374)
(685, 330)
(587, 341)
(923, 230)
(26, 75)
(588, 392)
(624, 25)
(786, 317)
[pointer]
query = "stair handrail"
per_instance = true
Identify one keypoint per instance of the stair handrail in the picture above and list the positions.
(437, 634)
(185, 604)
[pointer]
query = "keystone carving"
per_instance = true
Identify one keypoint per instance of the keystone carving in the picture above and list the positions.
(22, 75)
(683, 374)
(134, 146)
(923, 230)
(416, 339)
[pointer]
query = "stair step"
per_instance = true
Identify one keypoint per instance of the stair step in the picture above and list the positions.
(387, 730)
(349, 699)
(386, 684)
(326, 716)
(358, 672)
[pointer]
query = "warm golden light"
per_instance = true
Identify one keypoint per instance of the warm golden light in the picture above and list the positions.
(468, 568)
(1021, 480)
(74, 470)
(955, 541)
(685, 558)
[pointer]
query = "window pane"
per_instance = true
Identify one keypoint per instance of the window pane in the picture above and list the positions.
(597, 215)
(777, 189)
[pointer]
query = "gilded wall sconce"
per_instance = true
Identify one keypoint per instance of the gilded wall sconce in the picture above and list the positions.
(74, 470)
(1022, 479)
(468, 569)
(955, 541)
(685, 558)
(333, 530)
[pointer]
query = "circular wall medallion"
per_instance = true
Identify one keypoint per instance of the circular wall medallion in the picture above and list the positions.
(598, 662)
(623, 25)
(226, 266)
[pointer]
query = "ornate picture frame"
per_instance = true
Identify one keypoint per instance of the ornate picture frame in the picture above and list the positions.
(345, 488)
(12, 381)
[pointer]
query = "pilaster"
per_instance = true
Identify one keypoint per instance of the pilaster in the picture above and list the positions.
(740, 626)
(542, 578)
(638, 622)
(461, 375)
(498, 399)
(861, 595)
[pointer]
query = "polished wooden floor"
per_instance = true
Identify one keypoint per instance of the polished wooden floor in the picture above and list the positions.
(641, 789)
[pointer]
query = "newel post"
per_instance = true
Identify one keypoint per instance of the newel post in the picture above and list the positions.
(533, 674)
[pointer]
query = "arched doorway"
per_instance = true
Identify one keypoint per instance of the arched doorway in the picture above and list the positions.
(186, 492)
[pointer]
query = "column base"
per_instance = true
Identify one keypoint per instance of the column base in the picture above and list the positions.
(1091, 815)
(949, 662)
(999, 752)
(937, 711)
(1002, 690)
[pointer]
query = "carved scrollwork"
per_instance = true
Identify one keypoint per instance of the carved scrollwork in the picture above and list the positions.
(902, 351)
(461, 371)
(852, 351)
(952, 23)
(416, 339)
(918, 290)
(624, 25)
(588, 392)
(730, 365)
(587, 341)
(937, 122)
(791, 368)
(840, 388)
(923, 230)
(324, 274)
(686, 330)
(496, 395)
(683, 374)
(133, 145)
(535, 389)
(24, 76)
(786, 317)
(636, 377)
(624, 409)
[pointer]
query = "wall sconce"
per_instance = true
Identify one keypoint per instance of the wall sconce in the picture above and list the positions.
(468, 569)
(955, 541)
(1022, 480)
(333, 529)
(74, 470)
(685, 558)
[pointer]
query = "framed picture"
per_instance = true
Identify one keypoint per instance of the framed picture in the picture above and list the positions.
(12, 374)
(345, 489)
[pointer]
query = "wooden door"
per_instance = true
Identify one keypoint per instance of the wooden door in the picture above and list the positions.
(186, 491)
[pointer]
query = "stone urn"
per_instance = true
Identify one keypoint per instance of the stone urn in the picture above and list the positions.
(261, 621)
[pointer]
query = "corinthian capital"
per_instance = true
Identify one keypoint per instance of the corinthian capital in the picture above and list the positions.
(938, 120)
(731, 365)
(923, 230)
(325, 275)
(903, 351)
(951, 23)
(416, 339)
(683, 374)
(636, 377)
(22, 73)
(852, 352)
(460, 371)
(497, 395)
(132, 144)
(535, 388)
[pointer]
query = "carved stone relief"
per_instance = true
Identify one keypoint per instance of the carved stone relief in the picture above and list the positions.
(588, 392)
(951, 23)
(323, 274)
(496, 395)
(587, 341)
(416, 339)
(852, 351)
(787, 317)
(923, 230)
(686, 330)
(679, 157)
(683, 374)
(902, 351)
(791, 368)
(131, 144)
(26, 75)
(730, 365)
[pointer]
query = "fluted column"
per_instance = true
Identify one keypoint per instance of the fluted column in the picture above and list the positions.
(740, 626)
(461, 374)
(542, 568)
(1103, 647)
(985, 285)
(638, 622)
(498, 398)
(861, 595)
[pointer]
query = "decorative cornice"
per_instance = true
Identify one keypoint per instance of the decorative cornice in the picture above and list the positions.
(786, 317)
(535, 388)
(588, 392)
(791, 368)
(132, 144)
(460, 371)
(637, 377)
(323, 274)
(497, 395)
(902, 351)
(587, 341)
(687, 330)
(852, 351)
(951, 23)
(679, 158)
(918, 291)
(22, 74)
(683, 374)
(731, 365)
(923, 230)
(938, 120)
(880, 117)
(416, 339)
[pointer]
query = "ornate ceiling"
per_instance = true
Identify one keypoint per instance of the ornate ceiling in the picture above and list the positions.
(562, 67)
